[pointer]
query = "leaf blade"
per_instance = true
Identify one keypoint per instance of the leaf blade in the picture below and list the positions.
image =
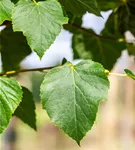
(26, 109)
(13, 48)
(71, 98)
(10, 98)
(5, 10)
(45, 18)
(79, 7)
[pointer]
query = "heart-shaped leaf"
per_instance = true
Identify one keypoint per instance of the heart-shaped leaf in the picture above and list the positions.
(71, 96)
(40, 22)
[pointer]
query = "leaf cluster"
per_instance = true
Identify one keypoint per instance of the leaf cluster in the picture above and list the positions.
(71, 94)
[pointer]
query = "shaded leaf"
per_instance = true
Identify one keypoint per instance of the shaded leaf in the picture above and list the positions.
(79, 7)
(105, 5)
(64, 60)
(13, 48)
(71, 96)
(26, 109)
(126, 22)
(131, 49)
(10, 98)
(103, 50)
(40, 22)
(5, 10)
(14, 1)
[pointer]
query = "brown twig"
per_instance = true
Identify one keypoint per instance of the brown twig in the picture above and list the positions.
(26, 70)
(96, 35)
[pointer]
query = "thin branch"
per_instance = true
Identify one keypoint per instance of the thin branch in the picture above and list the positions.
(48, 68)
(118, 74)
(96, 35)
(115, 74)
(26, 70)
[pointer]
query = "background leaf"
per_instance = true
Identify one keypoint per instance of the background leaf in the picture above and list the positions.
(26, 109)
(10, 98)
(5, 10)
(101, 50)
(13, 48)
(71, 96)
(105, 50)
(79, 7)
(126, 22)
(40, 22)
(131, 49)
(109, 4)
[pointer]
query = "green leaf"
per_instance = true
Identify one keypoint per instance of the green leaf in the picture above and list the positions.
(79, 7)
(5, 10)
(105, 50)
(40, 22)
(13, 48)
(105, 5)
(127, 22)
(64, 60)
(130, 74)
(26, 109)
(71, 96)
(111, 29)
(131, 49)
(14, 1)
(10, 98)
(98, 49)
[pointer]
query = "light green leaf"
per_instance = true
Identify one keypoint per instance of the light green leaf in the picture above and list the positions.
(71, 96)
(5, 10)
(13, 48)
(26, 109)
(10, 98)
(79, 7)
(40, 22)
(130, 74)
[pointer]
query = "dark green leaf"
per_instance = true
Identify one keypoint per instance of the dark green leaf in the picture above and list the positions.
(126, 22)
(130, 74)
(5, 10)
(131, 49)
(79, 7)
(108, 4)
(71, 96)
(64, 60)
(103, 50)
(98, 49)
(26, 109)
(14, 1)
(10, 98)
(40, 22)
(111, 29)
(13, 48)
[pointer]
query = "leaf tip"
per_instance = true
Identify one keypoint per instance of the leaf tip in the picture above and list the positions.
(78, 142)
